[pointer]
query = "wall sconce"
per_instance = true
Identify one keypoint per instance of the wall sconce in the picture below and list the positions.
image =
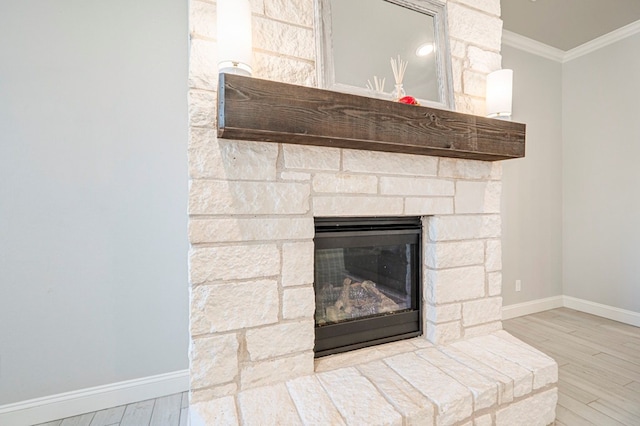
(499, 94)
(234, 37)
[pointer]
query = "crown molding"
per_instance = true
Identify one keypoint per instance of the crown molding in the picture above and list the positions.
(544, 50)
(529, 45)
(602, 41)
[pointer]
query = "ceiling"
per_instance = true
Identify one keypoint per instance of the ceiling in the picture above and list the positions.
(566, 24)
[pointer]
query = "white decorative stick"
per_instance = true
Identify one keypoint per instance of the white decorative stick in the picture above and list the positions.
(398, 67)
(378, 85)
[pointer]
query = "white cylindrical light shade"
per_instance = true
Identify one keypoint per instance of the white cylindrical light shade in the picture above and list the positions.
(234, 36)
(499, 93)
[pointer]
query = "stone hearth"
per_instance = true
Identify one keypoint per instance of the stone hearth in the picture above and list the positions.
(251, 227)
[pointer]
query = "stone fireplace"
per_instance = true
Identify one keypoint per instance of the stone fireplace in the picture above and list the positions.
(252, 211)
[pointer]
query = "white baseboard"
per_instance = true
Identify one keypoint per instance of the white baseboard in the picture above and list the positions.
(531, 307)
(540, 305)
(97, 398)
(605, 311)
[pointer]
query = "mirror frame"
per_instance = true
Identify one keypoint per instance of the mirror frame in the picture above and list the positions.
(324, 46)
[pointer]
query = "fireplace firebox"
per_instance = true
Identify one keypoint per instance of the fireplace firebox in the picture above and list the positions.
(366, 281)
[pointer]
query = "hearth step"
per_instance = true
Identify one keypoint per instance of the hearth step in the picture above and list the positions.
(489, 380)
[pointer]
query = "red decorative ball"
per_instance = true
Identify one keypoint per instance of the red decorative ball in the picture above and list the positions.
(409, 100)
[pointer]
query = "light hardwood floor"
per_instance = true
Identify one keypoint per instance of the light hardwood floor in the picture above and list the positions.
(166, 411)
(599, 364)
(599, 373)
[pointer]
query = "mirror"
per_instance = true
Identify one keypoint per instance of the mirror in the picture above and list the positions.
(358, 38)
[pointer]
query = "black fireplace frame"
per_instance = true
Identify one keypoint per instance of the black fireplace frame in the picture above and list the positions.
(360, 333)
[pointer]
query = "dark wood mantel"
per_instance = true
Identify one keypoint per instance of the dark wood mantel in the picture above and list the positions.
(268, 111)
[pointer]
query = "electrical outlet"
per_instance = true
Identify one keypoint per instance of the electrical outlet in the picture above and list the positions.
(518, 285)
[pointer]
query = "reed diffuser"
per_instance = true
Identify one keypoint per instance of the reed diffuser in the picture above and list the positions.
(398, 67)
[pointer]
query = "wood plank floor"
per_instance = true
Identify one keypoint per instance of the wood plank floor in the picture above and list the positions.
(599, 374)
(166, 411)
(599, 360)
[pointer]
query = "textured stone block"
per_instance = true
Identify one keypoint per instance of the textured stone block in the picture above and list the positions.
(444, 333)
(481, 311)
(205, 160)
(474, 26)
(279, 37)
(453, 400)
(416, 186)
(357, 206)
(280, 339)
(484, 391)
(544, 368)
(362, 356)
(454, 254)
(233, 306)
(298, 303)
(458, 48)
(478, 348)
(202, 19)
(202, 108)
(495, 283)
(482, 330)
(269, 405)
(458, 227)
(537, 410)
(299, 12)
(454, 285)
(496, 170)
(257, 6)
(390, 163)
(484, 61)
(470, 197)
(421, 342)
(490, 6)
(479, 106)
(444, 313)
(464, 103)
(350, 392)
(254, 229)
(244, 160)
(233, 198)
(213, 360)
(493, 261)
(492, 197)
(295, 176)
(414, 407)
(284, 69)
(208, 394)
(220, 411)
(474, 83)
(313, 404)
(464, 169)
(311, 157)
(428, 206)
(485, 420)
(297, 263)
(203, 64)
(277, 370)
(505, 383)
(345, 183)
(233, 262)
(457, 67)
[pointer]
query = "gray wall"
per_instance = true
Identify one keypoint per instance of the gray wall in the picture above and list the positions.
(601, 116)
(93, 188)
(532, 186)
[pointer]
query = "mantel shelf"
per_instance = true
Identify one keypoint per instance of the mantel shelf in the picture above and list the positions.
(261, 110)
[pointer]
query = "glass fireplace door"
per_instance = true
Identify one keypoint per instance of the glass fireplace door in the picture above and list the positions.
(367, 280)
